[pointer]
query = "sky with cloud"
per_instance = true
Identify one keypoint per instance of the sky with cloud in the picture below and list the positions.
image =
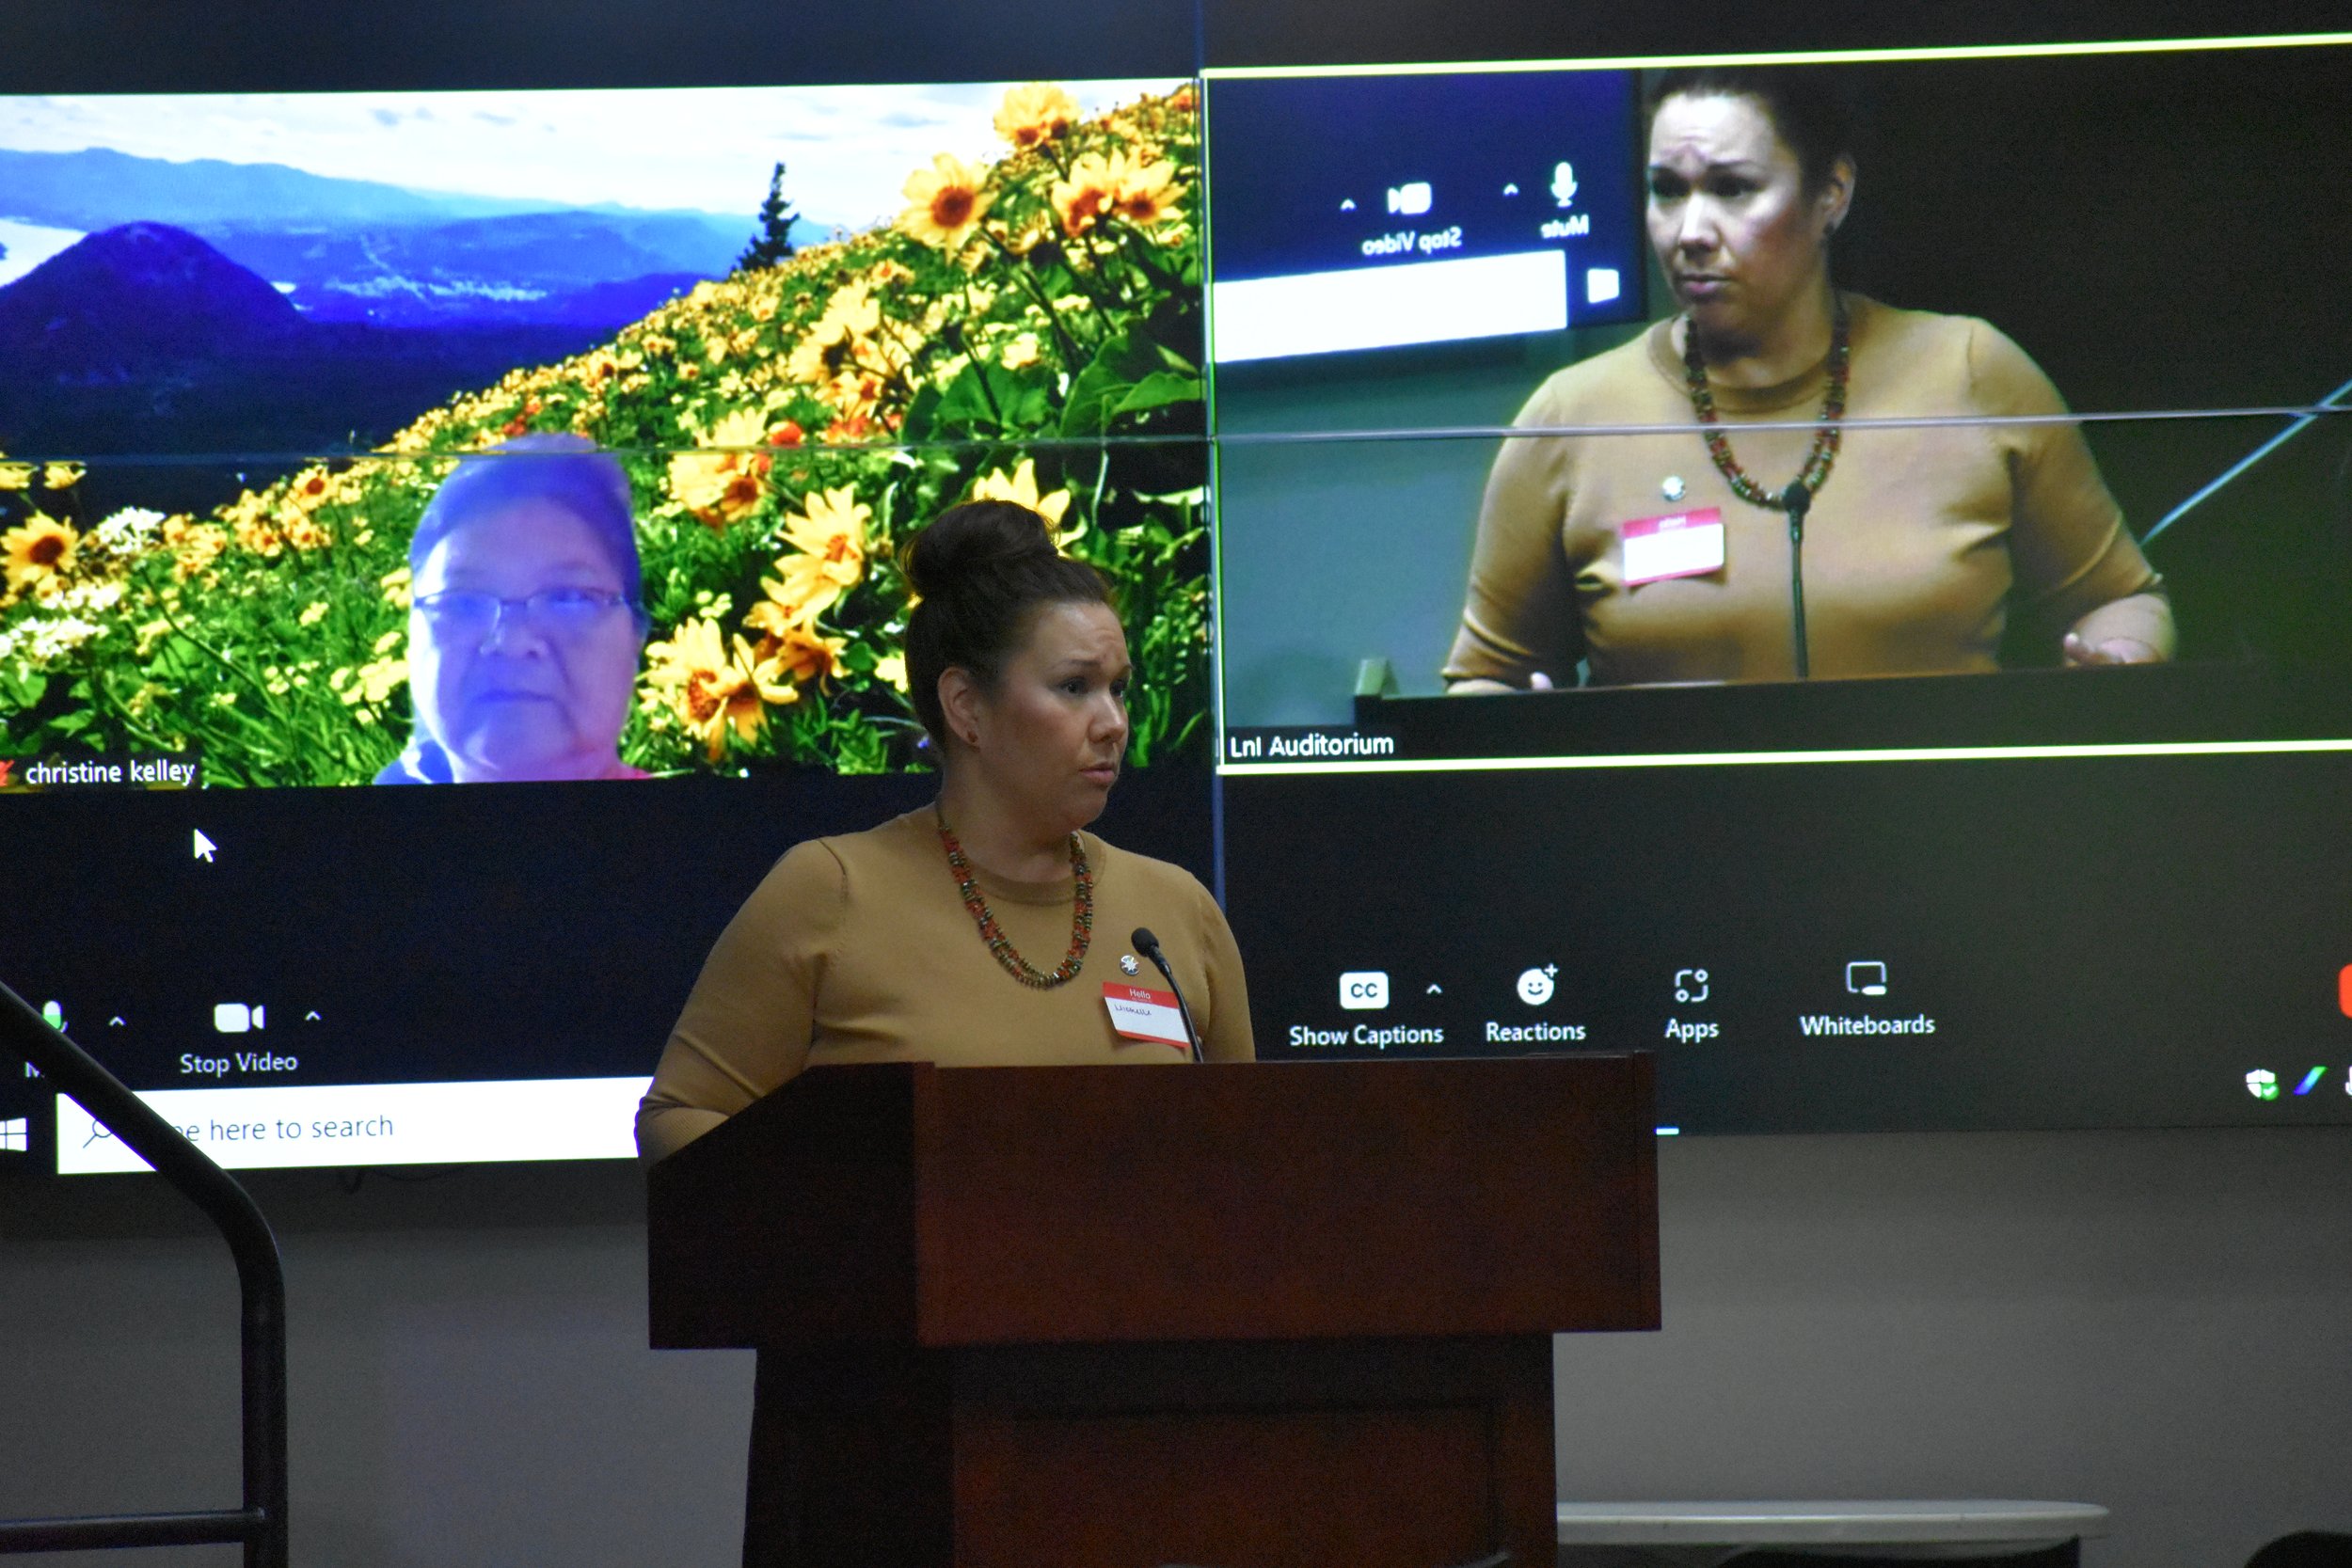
(850, 148)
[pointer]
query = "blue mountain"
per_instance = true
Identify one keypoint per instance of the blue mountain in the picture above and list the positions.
(134, 296)
(100, 188)
(145, 338)
(516, 266)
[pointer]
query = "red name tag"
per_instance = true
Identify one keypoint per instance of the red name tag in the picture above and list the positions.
(1139, 1014)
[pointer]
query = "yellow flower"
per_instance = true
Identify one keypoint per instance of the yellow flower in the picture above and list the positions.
(1020, 487)
(16, 476)
(722, 487)
(37, 553)
(892, 668)
(798, 653)
(831, 534)
(63, 476)
(831, 346)
(946, 203)
(374, 682)
(1141, 190)
(712, 689)
(1081, 201)
(1036, 113)
(396, 587)
(311, 614)
(1144, 193)
(1022, 352)
(194, 546)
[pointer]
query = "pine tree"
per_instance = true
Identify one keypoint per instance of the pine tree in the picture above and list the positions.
(773, 242)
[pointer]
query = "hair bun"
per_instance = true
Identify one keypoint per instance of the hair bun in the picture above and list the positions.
(979, 540)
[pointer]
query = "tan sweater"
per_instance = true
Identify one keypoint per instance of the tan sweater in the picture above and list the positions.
(1911, 550)
(859, 949)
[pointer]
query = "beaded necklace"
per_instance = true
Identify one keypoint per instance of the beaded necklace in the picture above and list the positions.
(1081, 921)
(1823, 456)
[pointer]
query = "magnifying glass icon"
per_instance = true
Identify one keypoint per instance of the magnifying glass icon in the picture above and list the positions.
(97, 1129)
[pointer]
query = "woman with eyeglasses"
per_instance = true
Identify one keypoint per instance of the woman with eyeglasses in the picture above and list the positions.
(524, 623)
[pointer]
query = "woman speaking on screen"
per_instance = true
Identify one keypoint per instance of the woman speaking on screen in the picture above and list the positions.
(988, 928)
(1667, 556)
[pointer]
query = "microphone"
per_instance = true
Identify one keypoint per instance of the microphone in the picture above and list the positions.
(1148, 945)
(1797, 501)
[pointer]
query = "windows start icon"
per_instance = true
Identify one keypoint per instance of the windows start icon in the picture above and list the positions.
(14, 1135)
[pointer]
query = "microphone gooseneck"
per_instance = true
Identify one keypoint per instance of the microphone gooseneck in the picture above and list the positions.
(1797, 501)
(1148, 945)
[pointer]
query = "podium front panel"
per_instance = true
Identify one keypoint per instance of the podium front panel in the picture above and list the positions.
(1287, 1201)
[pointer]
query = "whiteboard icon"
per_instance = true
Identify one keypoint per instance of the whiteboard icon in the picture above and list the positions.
(1563, 184)
(1410, 201)
(1865, 978)
(1601, 285)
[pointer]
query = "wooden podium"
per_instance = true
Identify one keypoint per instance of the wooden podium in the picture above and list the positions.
(1282, 1315)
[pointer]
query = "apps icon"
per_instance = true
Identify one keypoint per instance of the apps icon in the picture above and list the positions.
(1690, 985)
(1865, 978)
(1364, 989)
(1534, 985)
(2263, 1084)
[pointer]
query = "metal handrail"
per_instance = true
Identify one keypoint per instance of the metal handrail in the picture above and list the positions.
(261, 1524)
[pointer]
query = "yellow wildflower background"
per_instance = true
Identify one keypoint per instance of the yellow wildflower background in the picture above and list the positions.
(1026, 329)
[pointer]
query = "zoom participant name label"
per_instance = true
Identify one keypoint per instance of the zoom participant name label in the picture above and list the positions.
(1831, 1023)
(1377, 1037)
(102, 770)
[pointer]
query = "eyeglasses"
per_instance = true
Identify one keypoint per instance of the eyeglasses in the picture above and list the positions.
(557, 612)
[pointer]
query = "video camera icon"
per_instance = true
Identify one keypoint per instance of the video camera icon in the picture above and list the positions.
(1411, 200)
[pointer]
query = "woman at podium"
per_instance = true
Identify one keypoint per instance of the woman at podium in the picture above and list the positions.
(988, 928)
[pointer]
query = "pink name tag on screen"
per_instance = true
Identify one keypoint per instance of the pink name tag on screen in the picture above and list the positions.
(1684, 544)
(1144, 1015)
